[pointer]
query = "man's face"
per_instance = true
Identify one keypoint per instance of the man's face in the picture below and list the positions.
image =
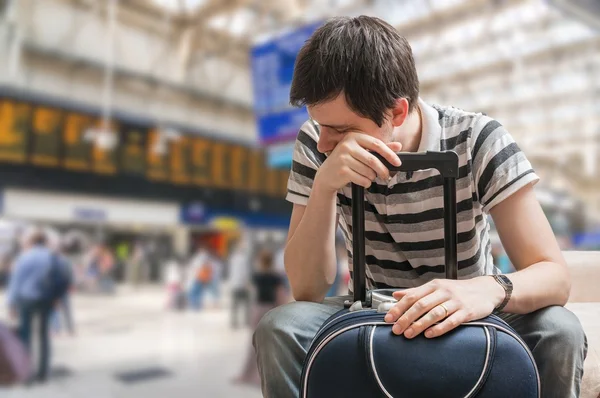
(336, 119)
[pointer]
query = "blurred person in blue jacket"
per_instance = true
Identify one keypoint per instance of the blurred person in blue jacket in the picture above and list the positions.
(63, 309)
(40, 278)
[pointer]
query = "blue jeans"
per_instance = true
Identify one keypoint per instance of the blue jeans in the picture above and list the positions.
(27, 312)
(283, 337)
(64, 306)
(196, 295)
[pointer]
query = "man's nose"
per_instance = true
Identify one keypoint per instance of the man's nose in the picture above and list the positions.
(327, 141)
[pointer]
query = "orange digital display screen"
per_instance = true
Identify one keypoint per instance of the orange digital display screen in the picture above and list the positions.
(15, 121)
(49, 136)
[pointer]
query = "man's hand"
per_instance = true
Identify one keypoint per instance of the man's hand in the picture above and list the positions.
(446, 302)
(351, 161)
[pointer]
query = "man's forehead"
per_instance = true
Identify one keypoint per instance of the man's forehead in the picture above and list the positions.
(340, 118)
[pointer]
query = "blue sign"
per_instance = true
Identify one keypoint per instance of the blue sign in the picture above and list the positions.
(89, 214)
(197, 214)
(272, 72)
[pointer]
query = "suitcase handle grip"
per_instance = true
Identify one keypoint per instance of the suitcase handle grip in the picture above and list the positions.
(447, 164)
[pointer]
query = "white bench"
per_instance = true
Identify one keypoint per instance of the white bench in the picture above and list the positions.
(585, 303)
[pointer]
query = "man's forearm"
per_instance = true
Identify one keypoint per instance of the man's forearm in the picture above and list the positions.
(310, 259)
(540, 285)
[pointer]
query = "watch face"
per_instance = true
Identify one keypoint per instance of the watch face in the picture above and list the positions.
(504, 280)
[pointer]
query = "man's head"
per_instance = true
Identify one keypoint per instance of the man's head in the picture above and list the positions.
(355, 74)
(34, 236)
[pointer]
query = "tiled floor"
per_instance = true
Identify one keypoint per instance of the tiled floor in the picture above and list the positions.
(128, 346)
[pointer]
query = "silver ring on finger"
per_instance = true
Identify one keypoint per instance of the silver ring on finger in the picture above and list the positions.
(446, 312)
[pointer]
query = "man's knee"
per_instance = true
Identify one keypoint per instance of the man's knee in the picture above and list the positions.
(281, 323)
(561, 330)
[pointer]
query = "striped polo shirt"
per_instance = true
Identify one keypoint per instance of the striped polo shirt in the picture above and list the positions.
(404, 217)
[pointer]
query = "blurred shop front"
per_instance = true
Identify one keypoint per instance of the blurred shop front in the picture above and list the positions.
(83, 221)
(220, 229)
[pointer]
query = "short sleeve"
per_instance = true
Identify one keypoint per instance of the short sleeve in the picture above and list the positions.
(500, 167)
(306, 161)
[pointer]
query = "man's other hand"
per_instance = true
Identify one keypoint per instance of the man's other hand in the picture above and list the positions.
(441, 305)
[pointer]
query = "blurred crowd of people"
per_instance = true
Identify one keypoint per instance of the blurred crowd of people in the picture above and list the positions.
(247, 279)
(256, 283)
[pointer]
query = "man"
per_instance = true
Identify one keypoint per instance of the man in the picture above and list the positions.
(40, 278)
(357, 77)
(240, 268)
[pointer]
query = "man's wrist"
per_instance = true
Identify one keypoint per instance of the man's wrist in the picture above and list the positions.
(497, 292)
(322, 191)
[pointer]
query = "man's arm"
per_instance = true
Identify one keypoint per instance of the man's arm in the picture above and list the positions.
(542, 278)
(309, 258)
(15, 281)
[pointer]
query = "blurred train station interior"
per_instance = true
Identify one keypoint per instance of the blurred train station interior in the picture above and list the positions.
(143, 135)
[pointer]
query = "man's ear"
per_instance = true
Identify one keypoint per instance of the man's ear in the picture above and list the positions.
(399, 112)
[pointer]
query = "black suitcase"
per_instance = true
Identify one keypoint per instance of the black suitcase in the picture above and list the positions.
(355, 353)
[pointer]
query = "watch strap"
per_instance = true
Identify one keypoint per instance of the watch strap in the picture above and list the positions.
(507, 286)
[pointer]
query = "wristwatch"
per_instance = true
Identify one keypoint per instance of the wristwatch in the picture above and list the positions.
(508, 288)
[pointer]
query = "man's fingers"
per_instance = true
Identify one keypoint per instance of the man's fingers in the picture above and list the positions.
(409, 298)
(452, 322)
(437, 314)
(419, 308)
(378, 146)
(361, 168)
(353, 176)
(369, 160)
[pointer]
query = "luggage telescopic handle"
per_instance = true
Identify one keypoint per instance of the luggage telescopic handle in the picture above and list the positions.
(447, 164)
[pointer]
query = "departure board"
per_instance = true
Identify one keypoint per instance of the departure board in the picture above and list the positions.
(15, 120)
(105, 158)
(157, 153)
(219, 165)
(201, 161)
(46, 135)
(180, 161)
(77, 149)
(272, 182)
(239, 167)
(133, 150)
(256, 175)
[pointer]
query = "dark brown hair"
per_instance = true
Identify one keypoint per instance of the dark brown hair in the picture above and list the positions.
(363, 57)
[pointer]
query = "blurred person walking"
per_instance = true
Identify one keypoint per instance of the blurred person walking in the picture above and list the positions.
(214, 286)
(270, 292)
(63, 308)
(138, 265)
(100, 264)
(40, 278)
(174, 283)
(239, 278)
(200, 276)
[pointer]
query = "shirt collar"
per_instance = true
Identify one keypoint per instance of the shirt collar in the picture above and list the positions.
(431, 131)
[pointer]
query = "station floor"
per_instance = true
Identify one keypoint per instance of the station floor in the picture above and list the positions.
(128, 345)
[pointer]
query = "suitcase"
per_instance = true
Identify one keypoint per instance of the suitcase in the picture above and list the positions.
(15, 363)
(355, 353)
